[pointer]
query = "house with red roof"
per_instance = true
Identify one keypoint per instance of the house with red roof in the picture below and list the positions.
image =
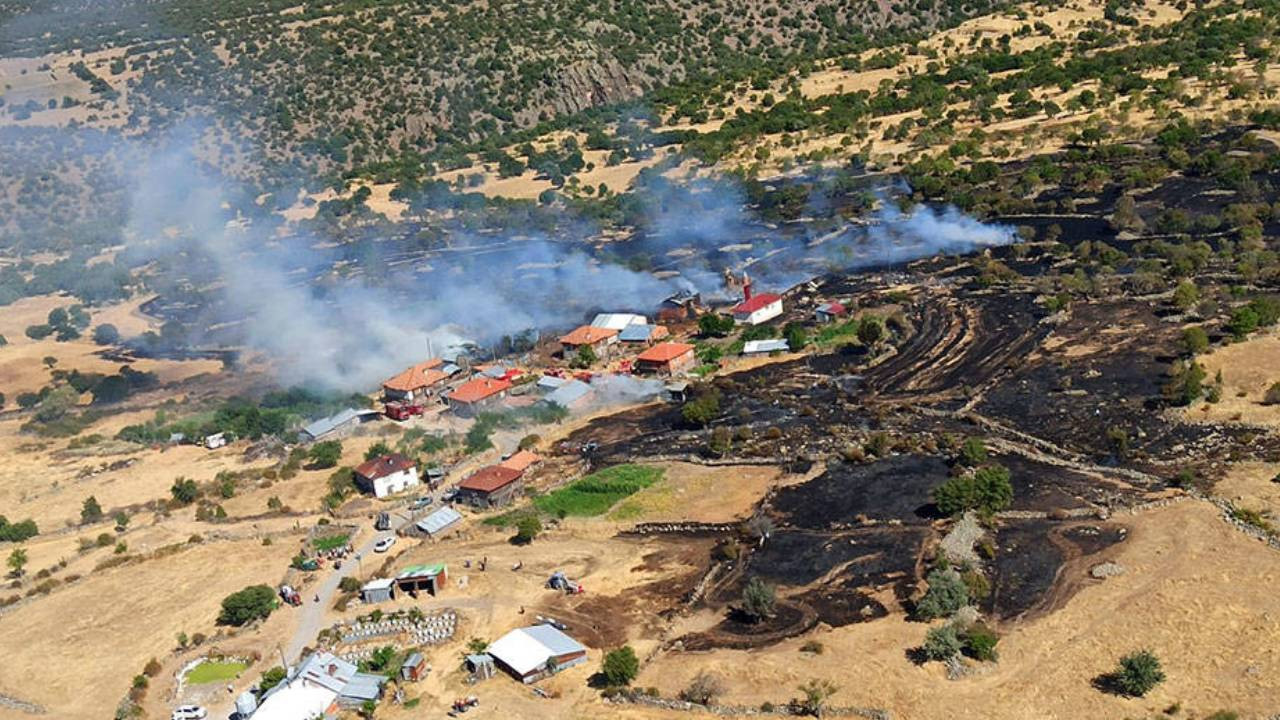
(491, 486)
(416, 383)
(830, 311)
(599, 339)
(386, 475)
(477, 394)
(667, 358)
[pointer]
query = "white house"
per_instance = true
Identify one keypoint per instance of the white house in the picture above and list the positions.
(387, 475)
(756, 309)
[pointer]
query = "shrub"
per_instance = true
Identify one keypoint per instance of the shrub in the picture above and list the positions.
(703, 689)
(184, 491)
(987, 489)
(758, 599)
(90, 511)
(349, 584)
(152, 668)
(942, 643)
(527, 529)
(252, 603)
(973, 452)
(325, 454)
(1138, 673)
(271, 678)
(980, 642)
(620, 666)
(946, 594)
(813, 646)
(1195, 340)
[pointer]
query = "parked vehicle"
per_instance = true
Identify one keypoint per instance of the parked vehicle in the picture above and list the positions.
(383, 522)
(384, 544)
(449, 496)
(189, 712)
(289, 595)
(421, 502)
(401, 411)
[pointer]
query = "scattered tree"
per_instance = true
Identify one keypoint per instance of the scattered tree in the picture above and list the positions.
(90, 511)
(244, 606)
(17, 560)
(946, 594)
(941, 643)
(375, 450)
(1138, 673)
(973, 452)
(106, 334)
(527, 529)
(703, 689)
(758, 599)
(325, 454)
(815, 694)
(184, 491)
(620, 666)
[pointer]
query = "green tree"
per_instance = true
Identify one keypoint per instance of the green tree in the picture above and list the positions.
(585, 358)
(244, 606)
(184, 491)
(325, 454)
(758, 599)
(18, 560)
(871, 331)
(271, 678)
(947, 593)
(122, 519)
(715, 325)
(1186, 295)
(527, 529)
(106, 334)
(1195, 340)
(377, 450)
(90, 511)
(620, 666)
(797, 336)
(701, 410)
(1186, 382)
(1138, 673)
(973, 452)
(942, 643)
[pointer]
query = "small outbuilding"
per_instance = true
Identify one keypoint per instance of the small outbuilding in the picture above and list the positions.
(416, 578)
(481, 666)
(830, 312)
(380, 590)
(337, 424)
(764, 347)
(569, 395)
(440, 522)
(414, 668)
(533, 653)
(618, 321)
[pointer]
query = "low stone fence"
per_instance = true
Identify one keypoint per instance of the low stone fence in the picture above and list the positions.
(782, 710)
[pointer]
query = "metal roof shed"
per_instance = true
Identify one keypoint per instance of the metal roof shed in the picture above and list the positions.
(755, 347)
(568, 394)
(380, 590)
(535, 652)
(439, 521)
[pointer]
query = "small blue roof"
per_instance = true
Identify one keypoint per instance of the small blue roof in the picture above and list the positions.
(439, 520)
(569, 393)
(636, 333)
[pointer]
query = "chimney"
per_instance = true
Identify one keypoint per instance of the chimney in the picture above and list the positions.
(333, 669)
(746, 287)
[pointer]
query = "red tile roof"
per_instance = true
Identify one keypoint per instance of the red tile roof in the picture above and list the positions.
(833, 308)
(755, 303)
(381, 467)
(587, 335)
(418, 376)
(489, 479)
(521, 461)
(664, 352)
(478, 389)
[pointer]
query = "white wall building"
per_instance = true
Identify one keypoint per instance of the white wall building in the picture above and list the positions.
(387, 475)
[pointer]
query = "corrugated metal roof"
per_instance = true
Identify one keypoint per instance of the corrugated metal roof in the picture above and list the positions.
(379, 584)
(363, 686)
(569, 393)
(420, 571)
(526, 649)
(618, 321)
(550, 382)
(636, 333)
(765, 346)
(450, 369)
(439, 520)
(324, 426)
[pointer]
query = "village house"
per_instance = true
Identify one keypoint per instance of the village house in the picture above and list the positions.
(386, 475)
(618, 321)
(490, 486)
(521, 461)
(416, 383)
(668, 358)
(599, 339)
(680, 307)
(533, 653)
(323, 685)
(756, 309)
(477, 394)
(830, 312)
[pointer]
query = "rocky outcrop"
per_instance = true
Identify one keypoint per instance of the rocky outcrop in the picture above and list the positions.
(586, 84)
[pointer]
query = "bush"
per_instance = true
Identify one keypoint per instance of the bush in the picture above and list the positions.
(758, 599)
(152, 668)
(703, 689)
(252, 603)
(942, 643)
(947, 593)
(349, 584)
(973, 452)
(980, 642)
(620, 666)
(1195, 340)
(90, 511)
(1138, 673)
(527, 529)
(701, 410)
(325, 454)
(17, 532)
(271, 678)
(184, 491)
(987, 489)
(106, 334)
(715, 325)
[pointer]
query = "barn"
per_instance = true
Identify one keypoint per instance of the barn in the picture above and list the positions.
(490, 486)
(533, 653)
(668, 358)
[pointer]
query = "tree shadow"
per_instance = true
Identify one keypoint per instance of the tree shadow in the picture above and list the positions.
(916, 656)
(1108, 683)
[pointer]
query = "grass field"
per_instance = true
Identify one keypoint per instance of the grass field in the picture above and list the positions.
(599, 491)
(332, 542)
(211, 671)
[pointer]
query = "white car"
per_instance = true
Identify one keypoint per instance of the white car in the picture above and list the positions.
(384, 544)
(189, 712)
